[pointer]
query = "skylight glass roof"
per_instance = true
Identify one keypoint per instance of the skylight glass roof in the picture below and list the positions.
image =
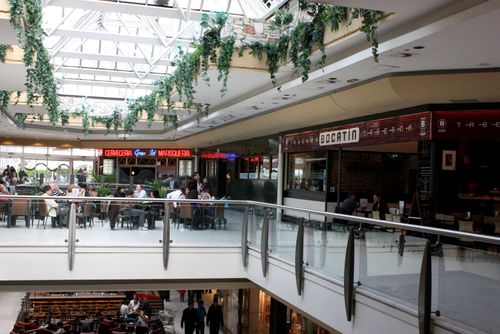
(117, 49)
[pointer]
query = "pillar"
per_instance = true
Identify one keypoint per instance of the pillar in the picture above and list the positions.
(277, 324)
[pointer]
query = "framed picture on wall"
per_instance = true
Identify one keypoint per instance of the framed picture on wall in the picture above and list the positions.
(449, 160)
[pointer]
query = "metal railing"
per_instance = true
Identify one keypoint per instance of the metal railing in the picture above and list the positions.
(257, 215)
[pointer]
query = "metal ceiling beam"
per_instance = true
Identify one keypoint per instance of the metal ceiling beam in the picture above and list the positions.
(100, 35)
(113, 58)
(96, 71)
(104, 84)
(127, 8)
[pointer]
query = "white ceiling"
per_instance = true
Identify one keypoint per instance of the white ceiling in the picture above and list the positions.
(459, 35)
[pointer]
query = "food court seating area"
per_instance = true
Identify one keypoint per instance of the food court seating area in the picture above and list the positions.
(85, 315)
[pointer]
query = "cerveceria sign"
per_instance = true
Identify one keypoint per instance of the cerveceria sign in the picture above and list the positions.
(339, 137)
(145, 153)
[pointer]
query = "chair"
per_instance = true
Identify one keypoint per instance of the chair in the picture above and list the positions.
(466, 226)
(219, 216)
(448, 220)
(44, 213)
(376, 215)
(185, 214)
(167, 320)
(86, 215)
(20, 207)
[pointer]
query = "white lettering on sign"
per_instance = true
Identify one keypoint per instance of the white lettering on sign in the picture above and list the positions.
(338, 137)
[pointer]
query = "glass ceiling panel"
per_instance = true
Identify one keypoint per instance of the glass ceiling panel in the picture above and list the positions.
(77, 24)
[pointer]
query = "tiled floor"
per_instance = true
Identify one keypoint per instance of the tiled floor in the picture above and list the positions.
(10, 305)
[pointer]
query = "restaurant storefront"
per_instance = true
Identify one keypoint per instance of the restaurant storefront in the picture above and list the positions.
(143, 165)
(443, 158)
(246, 170)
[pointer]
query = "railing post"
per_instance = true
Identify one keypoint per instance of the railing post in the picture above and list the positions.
(166, 236)
(264, 244)
(425, 292)
(299, 257)
(244, 238)
(349, 276)
(71, 236)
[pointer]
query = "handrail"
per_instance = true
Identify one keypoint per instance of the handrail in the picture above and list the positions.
(371, 221)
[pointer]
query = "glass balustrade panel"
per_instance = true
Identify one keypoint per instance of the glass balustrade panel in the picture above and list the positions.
(466, 285)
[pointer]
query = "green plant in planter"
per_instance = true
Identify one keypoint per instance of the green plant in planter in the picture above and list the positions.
(210, 39)
(158, 186)
(369, 26)
(84, 110)
(21, 119)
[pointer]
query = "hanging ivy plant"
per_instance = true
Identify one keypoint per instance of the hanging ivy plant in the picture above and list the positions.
(84, 111)
(224, 61)
(3, 51)
(369, 23)
(4, 101)
(21, 119)
(64, 117)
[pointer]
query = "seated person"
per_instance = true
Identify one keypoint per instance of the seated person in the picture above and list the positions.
(133, 306)
(380, 205)
(54, 209)
(48, 329)
(128, 209)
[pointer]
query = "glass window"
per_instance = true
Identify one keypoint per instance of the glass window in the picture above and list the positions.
(84, 152)
(59, 151)
(57, 171)
(265, 168)
(185, 167)
(275, 168)
(243, 172)
(10, 161)
(307, 171)
(108, 166)
(35, 149)
(11, 149)
(253, 167)
(83, 170)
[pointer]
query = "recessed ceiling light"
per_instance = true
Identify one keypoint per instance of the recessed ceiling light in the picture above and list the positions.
(275, 103)
(419, 47)
(401, 55)
(352, 80)
(321, 87)
(484, 64)
(333, 80)
(286, 94)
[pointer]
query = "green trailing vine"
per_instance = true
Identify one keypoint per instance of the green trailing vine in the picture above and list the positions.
(21, 119)
(39, 75)
(4, 101)
(3, 51)
(296, 43)
(224, 61)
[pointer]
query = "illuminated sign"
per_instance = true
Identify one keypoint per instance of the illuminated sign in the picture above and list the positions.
(217, 155)
(174, 153)
(117, 153)
(144, 153)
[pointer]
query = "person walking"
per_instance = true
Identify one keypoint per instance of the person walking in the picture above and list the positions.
(189, 318)
(202, 313)
(215, 318)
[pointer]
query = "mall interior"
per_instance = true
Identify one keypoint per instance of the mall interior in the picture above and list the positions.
(249, 166)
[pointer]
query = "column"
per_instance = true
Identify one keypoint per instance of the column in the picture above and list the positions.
(278, 318)
(281, 174)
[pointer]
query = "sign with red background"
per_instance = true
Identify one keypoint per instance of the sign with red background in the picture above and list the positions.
(472, 124)
(395, 129)
(144, 153)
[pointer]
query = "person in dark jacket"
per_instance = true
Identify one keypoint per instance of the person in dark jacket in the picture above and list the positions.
(380, 205)
(189, 318)
(215, 318)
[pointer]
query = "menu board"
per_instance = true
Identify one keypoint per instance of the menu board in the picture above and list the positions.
(424, 180)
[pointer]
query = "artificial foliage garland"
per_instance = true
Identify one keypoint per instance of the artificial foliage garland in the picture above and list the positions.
(3, 51)
(296, 45)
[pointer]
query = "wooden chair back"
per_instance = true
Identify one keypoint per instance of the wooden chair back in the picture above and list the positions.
(219, 211)
(376, 215)
(20, 207)
(185, 211)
